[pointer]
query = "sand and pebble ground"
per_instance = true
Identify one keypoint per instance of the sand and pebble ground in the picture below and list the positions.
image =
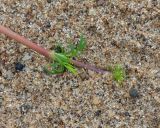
(126, 32)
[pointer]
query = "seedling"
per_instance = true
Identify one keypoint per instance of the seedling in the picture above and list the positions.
(118, 73)
(61, 59)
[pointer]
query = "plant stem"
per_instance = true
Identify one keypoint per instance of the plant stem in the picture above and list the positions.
(43, 51)
(87, 66)
(24, 41)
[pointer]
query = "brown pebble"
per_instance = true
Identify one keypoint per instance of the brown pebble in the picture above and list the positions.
(84, 76)
(100, 2)
(96, 100)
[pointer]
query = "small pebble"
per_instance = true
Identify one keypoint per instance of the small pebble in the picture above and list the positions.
(133, 92)
(98, 113)
(49, 1)
(48, 24)
(24, 108)
(92, 11)
(1, 100)
(1, 87)
(19, 66)
(158, 74)
(96, 100)
(73, 58)
(84, 76)
(127, 114)
(26, 57)
(100, 2)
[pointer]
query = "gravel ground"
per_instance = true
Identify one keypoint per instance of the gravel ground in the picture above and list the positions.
(118, 31)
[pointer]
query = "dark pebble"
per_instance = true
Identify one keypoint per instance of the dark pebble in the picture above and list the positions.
(24, 108)
(133, 92)
(19, 66)
(73, 58)
(127, 114)
(49, 1)
(98, 113)
(48, 24)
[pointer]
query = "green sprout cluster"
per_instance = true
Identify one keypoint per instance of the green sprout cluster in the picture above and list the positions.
(118, 73)
(62, 57)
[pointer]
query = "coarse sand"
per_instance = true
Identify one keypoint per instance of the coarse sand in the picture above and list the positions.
(125, 32)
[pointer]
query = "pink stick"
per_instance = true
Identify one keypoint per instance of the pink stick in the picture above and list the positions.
(24, 41)
(87, 66)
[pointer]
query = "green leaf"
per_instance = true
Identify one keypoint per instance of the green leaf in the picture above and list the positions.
(71, 68)
(118, 74)
(65, 62)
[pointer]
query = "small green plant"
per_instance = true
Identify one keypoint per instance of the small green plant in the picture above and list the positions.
(62, 58)
(118, 73)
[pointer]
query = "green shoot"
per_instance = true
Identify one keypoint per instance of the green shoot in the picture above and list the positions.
(64, 61)
(118, 73)
(61, 58)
